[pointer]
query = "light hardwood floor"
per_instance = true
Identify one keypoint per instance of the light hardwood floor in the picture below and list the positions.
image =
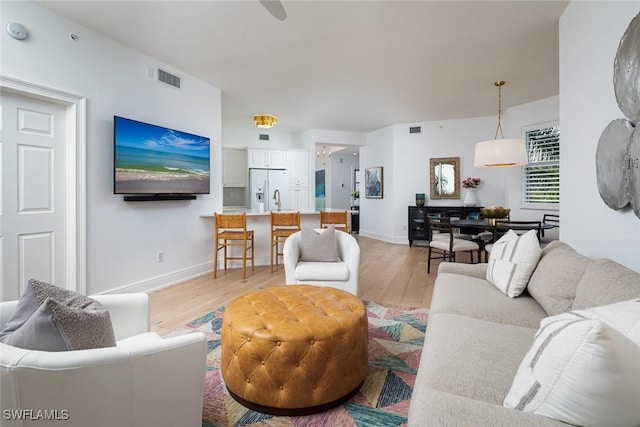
(389, 274)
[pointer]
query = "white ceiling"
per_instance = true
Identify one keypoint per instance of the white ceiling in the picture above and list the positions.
(345, 65)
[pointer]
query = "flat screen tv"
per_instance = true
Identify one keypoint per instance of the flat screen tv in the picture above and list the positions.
(154, 160)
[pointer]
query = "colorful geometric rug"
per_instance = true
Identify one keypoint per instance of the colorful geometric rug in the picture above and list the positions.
(396, 336)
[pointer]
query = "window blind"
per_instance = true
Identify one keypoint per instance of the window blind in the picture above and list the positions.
(542, 173)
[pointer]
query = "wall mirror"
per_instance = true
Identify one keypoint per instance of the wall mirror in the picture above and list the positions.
(445, 177)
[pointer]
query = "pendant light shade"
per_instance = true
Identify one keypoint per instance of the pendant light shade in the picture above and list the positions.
(497, 153)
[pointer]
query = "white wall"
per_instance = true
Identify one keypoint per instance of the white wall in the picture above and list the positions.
(278, 140)
(406, 157)
(123, 239)
(310, 138)
(589, 36)
(376, 218)
(343, 163)
(544, 111)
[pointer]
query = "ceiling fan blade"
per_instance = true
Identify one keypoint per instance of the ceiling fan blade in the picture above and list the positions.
(275, 8)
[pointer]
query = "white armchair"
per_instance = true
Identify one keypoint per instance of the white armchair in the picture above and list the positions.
(342, 275)
(145, 380)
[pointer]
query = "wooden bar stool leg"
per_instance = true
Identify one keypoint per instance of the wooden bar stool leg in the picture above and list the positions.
(272, 244)
(215, 258)
(225, 255)
(244, 258)
(252, 252)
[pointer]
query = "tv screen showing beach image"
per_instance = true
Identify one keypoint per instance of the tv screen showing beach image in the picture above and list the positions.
(151, 159)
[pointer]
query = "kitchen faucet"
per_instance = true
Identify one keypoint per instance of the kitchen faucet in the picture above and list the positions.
(276, 197)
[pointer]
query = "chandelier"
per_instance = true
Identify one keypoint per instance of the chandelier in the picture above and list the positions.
(324, 154)
(501, 152)
(265, 120)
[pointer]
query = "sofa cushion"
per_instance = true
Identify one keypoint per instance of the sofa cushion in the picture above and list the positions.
(431, 408)
(580, 371)
(471, 358)
(512, 261)
(321, 271)
(319, 247)
(606, 282)
(50, 318)
(555, 280)
(477, 298)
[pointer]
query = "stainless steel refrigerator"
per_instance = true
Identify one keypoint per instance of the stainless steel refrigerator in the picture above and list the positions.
(263, 184)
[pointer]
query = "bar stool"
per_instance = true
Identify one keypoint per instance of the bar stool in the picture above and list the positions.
(339, 218)
(283, 225)
(231, 230)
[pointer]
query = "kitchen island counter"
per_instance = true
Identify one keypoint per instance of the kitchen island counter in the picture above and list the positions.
(260, 223)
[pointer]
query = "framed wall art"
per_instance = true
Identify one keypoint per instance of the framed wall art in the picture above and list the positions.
(373, 183)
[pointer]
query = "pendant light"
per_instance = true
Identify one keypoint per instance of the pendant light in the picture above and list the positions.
(265, 121)
(497, 153)
(324, 154)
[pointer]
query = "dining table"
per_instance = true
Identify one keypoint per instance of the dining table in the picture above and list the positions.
(480, 225)
(483, 224)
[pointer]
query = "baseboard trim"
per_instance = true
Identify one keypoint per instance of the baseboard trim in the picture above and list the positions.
(165, 280)
(396, 240)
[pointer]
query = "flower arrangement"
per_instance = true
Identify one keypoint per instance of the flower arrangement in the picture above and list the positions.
(471, 182)
(355, 194)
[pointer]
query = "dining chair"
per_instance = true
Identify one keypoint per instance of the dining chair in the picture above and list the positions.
(445, 245)
(454, 214)
(283, 225)
(231, 231)
(550, 219)
(519, 227)
(338, 218)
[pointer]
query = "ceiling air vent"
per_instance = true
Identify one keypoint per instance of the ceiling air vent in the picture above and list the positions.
(264, 137)
(415, 129)
(169, 79)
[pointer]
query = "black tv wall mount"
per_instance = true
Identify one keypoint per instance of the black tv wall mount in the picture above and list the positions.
(156, 197)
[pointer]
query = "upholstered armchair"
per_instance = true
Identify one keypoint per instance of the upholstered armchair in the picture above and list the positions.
(145, 380)
(342, 274)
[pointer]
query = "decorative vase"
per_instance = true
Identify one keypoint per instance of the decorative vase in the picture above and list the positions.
(471, 198)
(420, 198)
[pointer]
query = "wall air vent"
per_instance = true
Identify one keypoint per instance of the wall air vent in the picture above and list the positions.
(169, 79)
(264, 137)
(415, 129)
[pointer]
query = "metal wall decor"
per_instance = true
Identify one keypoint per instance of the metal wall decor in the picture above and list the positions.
(618, 151)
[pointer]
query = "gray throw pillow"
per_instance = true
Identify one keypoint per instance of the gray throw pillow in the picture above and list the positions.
(319, 247)
(50, 318)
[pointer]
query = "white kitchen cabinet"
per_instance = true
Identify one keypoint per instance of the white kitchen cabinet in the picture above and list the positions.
(299, 198)
(234, 168)
(267, 159)
(298, 167)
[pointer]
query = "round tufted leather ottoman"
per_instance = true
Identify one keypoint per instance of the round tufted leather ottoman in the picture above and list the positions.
(294, 349)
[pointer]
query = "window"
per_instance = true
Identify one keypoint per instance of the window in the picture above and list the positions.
(541, 178)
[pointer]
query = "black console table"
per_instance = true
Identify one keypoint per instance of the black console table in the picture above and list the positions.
(418, 226)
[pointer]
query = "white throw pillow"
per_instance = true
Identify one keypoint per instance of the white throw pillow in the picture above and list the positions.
(623, 316)
(512, 261)
(580, 371)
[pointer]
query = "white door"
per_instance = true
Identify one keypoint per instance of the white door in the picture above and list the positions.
(33, 198)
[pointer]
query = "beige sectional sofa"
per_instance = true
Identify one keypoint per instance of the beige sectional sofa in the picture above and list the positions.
(477, 337)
